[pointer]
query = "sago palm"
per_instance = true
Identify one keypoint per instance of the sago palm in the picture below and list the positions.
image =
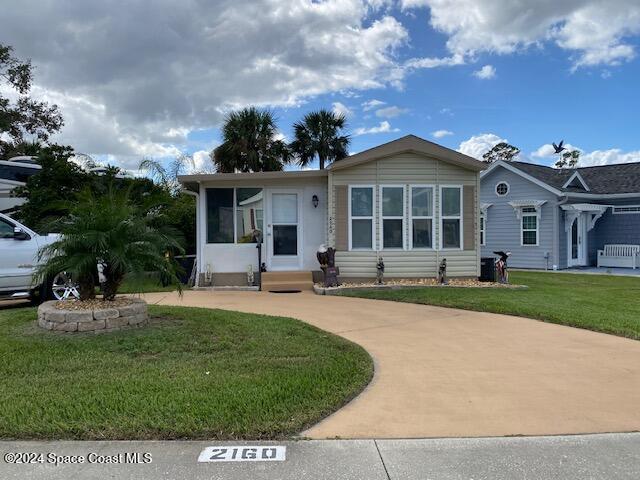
(111, 231)
(320, 134)
(250, 143)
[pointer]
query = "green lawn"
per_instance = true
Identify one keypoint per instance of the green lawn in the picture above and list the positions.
(596, 302)
(194, 373)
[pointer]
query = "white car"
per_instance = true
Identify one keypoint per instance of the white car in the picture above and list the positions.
(19, 247)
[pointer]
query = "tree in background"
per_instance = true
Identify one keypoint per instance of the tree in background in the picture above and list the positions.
(501, 151)
(250, 143)
(320, 135)
(25, 116)
(568, 159)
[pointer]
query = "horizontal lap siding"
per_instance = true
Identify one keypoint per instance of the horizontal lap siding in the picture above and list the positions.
(503, 228)
(406, 169)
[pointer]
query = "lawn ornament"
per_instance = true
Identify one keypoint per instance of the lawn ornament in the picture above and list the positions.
(442, 273)
(501, 266)
(380, 271)
(327, 258)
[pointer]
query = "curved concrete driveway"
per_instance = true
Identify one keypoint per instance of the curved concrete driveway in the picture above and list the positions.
(443, 372)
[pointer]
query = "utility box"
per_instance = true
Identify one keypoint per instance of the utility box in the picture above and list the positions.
(487, 269)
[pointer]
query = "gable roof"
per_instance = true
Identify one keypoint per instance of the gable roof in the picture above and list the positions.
(413, 144)
(622, 178)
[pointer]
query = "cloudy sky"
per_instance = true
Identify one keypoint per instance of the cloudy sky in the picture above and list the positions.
(139, 78)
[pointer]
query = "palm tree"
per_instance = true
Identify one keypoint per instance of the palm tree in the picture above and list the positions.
(250, 143)
(109, 230)
(320, 135)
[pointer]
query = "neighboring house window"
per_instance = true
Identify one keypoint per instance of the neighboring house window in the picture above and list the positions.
(361, 214)
(421, 219)
(220, 215)
(529, 226)
(451, 217)
(233, 214)
(392, 217)
(483, 226)
(502, 189)
(626, 209)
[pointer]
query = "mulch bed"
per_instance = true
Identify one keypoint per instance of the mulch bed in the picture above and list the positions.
(93, 304)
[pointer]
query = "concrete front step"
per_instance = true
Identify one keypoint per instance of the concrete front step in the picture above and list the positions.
(287, 281)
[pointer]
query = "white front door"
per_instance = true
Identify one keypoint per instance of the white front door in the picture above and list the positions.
(577, 240)
(284, 239)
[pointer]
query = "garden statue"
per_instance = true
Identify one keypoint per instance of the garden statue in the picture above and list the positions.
(442, 273)
(501, 266)
(380, 271)
(327, 258)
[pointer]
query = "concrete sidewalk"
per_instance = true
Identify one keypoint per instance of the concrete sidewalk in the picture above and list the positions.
(442, 372)
(606, 457)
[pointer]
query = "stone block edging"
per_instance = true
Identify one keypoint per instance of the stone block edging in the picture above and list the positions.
(96, 320)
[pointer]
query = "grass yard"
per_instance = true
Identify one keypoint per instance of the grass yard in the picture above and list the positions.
(194, 373)
(602, 303)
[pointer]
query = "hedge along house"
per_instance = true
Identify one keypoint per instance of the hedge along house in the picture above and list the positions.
(409, 201)
(551, 218)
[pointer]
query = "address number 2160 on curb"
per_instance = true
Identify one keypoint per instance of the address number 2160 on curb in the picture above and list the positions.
(238, 453)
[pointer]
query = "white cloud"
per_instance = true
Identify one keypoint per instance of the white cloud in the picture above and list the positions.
(435, 62)
(383, 127)
(135, 81)
(390, 112)
(478, 145)
(590, 159)
(594, 32)
(441, 133)
(485, 73)
(547, 151)
(201, 162)
(371, 104)
(341, 109)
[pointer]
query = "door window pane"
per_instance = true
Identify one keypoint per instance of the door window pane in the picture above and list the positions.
(422, 237)
(248, 213)
(362, 202)
(392, 201)
(6, 229)
(574, 239)
(392, 233)
(421, 201)
(285, 240)
(451, 233)
(285, 208)
(361, 233)
(450, 201)
(219, 215)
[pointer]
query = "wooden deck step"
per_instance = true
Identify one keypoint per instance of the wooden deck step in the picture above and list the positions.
(278, 281)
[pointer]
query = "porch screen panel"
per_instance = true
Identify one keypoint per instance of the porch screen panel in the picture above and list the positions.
(219, 215)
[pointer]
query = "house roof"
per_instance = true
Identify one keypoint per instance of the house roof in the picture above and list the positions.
(414, 144)
(618, 179)
(604, 179)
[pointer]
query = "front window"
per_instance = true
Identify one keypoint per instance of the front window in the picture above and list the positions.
(361, 217)
(451, 216)
(529, 226)
(220, 215)
(483, 226)
(421, 217)
(249, 212)
(392, 217)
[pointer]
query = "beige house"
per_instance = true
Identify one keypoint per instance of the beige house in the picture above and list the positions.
(410, 201)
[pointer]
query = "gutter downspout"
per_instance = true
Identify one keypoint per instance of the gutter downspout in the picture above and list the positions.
(198, 243)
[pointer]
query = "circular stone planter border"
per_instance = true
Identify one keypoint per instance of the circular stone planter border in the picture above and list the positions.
(96, 320)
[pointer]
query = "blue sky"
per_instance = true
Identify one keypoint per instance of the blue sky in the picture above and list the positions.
(150, 81)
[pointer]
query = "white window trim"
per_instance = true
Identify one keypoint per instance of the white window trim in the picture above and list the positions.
(420, 217)
(450, 217)
(235, 216)
(482, 228)
(537, 230)
(382, 217)
(495, 189)
(615, 207)
(373, 219)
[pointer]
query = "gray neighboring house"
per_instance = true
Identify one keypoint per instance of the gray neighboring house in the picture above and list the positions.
(552, 218)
